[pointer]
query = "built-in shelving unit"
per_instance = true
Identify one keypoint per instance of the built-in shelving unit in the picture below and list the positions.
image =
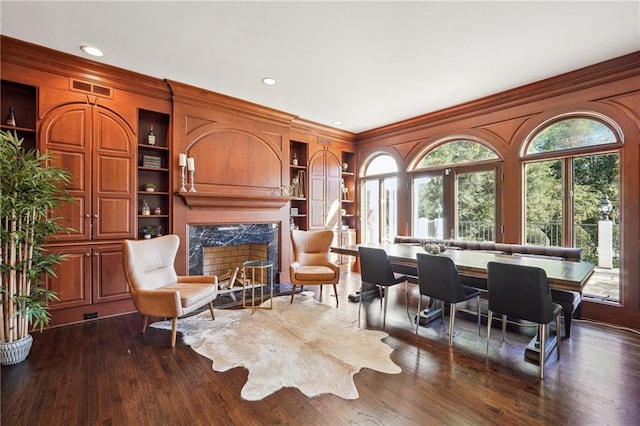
(22, 98)
(299, 183)
(348, 204)
(154, 169)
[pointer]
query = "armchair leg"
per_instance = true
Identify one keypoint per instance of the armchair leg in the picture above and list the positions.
(335, 291)
(213, 316)
(145, 319)
(293, 292)
(174, 330)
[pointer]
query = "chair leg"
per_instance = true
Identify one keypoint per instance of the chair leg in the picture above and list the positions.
(542, 330)
(384, 315)
(442, 311)
(359, 308)
(478, 315)
(213, 316)
(452, 319)
(174, 330)
(418, 313)
(381, 295)
(504, 327)
(558, 337)
(145, 319)
(489, 318)
(293, 292)
(335, 291)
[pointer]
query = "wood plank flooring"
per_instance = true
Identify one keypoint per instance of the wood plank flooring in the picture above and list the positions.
(107, 372)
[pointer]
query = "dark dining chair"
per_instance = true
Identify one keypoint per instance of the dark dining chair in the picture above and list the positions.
(376, 270)
(438, 279)
(522, 292)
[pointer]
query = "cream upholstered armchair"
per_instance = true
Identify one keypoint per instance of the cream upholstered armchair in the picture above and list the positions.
(155, 287)
(312, 265)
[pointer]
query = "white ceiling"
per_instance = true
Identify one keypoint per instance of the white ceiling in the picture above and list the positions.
(366, 64)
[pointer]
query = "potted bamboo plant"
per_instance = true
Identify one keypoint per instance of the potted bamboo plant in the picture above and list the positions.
(29, 190)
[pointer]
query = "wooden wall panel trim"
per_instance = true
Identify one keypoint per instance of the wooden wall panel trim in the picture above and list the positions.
(627, 66)
(191, 95)
(55, 62)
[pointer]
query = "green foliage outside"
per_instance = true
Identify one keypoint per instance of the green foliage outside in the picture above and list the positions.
(594, 176)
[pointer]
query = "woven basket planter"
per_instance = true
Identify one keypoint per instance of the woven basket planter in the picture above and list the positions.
(16, 351)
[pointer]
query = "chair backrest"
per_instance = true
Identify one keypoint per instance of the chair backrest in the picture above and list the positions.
(148, 264)
(311, 247)
(438, 278)
(519, 291)
(375, 267)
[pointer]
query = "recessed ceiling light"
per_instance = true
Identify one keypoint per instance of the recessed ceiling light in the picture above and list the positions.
(269, 81)
(337, 123)
(93, 51)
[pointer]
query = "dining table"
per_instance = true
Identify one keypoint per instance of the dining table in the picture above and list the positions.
(561, 274)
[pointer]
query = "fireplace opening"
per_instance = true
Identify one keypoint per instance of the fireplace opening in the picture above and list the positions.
(216, 249)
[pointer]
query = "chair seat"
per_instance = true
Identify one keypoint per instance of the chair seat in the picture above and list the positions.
(314, 273)
(191, 293)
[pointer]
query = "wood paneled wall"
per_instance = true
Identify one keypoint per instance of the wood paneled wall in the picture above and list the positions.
(505, 120)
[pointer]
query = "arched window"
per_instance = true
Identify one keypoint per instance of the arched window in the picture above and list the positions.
(456, 193)
(571, 164)
(456, 152)
(379, 185)
(571, 133)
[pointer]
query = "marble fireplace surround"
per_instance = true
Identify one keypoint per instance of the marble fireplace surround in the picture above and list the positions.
(219, 235)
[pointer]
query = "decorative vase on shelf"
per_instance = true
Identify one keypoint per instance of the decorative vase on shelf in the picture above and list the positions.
(146, 211)
(345, 167)
(11, 118)
(151, 137)
(295, 159)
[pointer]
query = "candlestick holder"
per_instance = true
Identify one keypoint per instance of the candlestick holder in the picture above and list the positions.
(191, 182)
(183, 179)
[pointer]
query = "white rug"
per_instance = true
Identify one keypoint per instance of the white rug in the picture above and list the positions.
(307, 345)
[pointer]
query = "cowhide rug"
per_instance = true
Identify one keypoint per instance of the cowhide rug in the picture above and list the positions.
(307, 345)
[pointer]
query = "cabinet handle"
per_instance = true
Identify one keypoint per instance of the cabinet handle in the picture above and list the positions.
(87, 215)
(87, 254)
(95, 215)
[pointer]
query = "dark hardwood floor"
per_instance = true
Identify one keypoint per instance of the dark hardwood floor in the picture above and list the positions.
(106, 372)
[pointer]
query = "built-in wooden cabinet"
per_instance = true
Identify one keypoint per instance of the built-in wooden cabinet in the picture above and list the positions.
(154, 174)
(299, 184)
(98, 148)
(20, 99)
(90, 274)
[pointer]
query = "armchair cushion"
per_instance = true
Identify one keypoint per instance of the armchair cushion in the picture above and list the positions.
(314, 273)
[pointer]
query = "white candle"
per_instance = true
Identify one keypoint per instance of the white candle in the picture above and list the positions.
(183, 160)
(190, 164)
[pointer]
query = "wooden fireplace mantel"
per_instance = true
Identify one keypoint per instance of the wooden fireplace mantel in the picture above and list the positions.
(212, 200)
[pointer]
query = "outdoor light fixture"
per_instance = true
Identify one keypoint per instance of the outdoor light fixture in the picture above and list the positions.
(606, 208)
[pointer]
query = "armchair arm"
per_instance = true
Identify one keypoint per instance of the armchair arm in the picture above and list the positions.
(158, 303)
(208, 279)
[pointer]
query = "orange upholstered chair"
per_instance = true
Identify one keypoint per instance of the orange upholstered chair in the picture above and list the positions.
(312, 265)
(155, 287)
